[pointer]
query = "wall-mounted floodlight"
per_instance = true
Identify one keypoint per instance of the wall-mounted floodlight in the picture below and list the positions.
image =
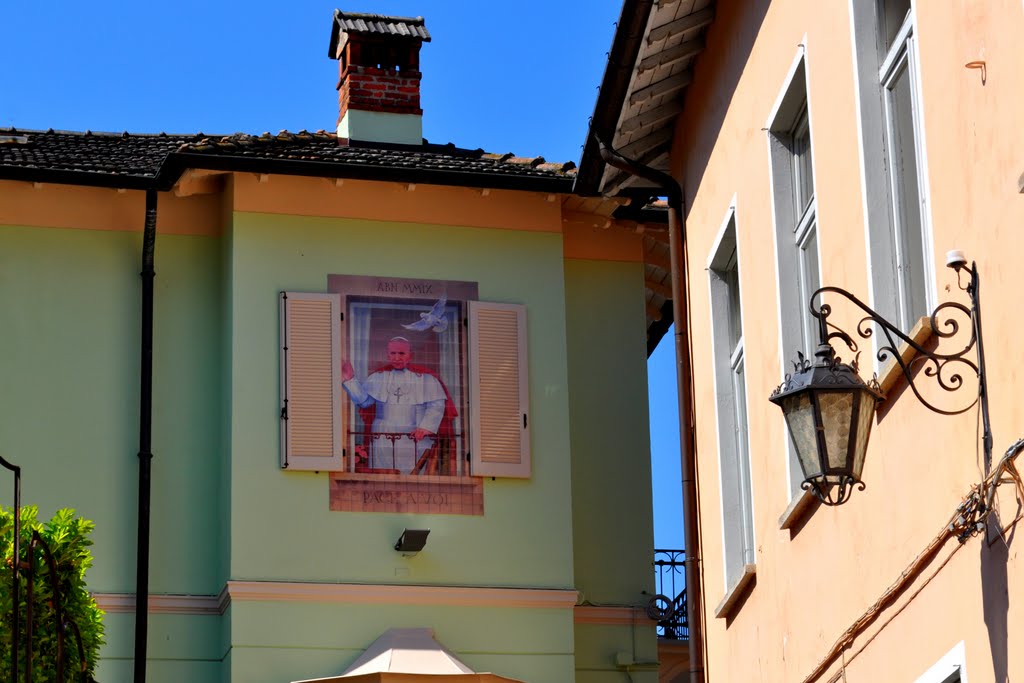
(412, 541)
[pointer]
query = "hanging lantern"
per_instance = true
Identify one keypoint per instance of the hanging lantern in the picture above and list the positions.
(829, 410)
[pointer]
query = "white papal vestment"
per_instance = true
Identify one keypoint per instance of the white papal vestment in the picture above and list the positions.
(405, 401)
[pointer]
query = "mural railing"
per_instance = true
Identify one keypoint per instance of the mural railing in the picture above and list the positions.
(668, 607)
(393, 452)
(29, 568)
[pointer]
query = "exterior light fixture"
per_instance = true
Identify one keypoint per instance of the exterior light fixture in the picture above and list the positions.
(829, 408)
(412, 541)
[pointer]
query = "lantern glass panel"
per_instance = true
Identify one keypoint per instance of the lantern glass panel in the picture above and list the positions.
(865, 418)
(799, 412)
(836, 416)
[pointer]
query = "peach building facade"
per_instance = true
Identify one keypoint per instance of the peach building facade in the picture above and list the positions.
(853, 143)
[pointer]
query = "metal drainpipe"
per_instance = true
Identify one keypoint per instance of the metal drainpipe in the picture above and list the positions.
(145, 434)
(684, 381)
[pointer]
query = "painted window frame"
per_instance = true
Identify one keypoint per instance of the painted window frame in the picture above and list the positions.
(951, 668)
(795, 222)
(902, 273)
(735, 480)
(493, 433)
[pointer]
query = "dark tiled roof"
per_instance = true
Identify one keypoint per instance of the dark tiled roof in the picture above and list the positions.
(353, 22)
(118, 154)
(324, 147)
(137, 161)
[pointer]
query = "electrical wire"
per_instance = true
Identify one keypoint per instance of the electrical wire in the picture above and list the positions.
(960, 525)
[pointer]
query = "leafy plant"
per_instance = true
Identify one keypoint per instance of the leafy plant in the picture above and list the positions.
(68, 539)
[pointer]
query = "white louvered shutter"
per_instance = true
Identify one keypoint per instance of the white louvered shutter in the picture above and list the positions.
(499, 404)
(310, 381)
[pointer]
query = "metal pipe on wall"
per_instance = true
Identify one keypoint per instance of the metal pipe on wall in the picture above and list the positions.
(687, 443)
(145, 440)
(684, 379)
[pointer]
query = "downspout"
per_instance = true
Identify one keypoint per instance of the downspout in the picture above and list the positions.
(684, 383)
(145, 434)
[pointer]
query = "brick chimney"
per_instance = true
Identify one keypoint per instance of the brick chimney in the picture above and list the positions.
(379, 84)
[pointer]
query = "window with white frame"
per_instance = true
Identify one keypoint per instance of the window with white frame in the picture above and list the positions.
(731, 402)
(891, 139)
(796, 225)
(952, 668)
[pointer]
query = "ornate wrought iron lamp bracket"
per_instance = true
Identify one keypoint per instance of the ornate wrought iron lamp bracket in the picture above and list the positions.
(949, 320)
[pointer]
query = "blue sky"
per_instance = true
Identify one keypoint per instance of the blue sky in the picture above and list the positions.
(516, 77)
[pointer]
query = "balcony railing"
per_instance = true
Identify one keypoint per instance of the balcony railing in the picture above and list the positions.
(668, 607)
(381, 452)
(28, 568)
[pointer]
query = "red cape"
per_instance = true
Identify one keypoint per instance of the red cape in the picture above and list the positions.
(447, 427)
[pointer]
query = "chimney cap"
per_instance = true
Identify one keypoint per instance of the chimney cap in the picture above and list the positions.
(357, 23)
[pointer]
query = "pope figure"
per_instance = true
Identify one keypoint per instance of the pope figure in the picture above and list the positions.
(407, 402)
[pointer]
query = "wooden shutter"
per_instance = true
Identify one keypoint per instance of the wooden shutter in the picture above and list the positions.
(500, 431)
(311, 381)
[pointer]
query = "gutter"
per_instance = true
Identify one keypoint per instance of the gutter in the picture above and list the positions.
(176, 163)
(629, 38)
(684, 382)
(179, 161)
(82, 178)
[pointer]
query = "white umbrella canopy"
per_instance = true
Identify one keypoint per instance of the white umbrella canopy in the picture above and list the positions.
(409, 655)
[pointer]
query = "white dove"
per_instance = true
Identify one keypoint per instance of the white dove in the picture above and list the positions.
(433, 319)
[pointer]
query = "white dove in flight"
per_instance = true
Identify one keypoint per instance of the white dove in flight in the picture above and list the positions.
(433, 319)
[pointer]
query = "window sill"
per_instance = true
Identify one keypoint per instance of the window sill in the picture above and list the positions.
(734, 592)
(798, 507)
(891, 372)
(405, 478)
(406, 493)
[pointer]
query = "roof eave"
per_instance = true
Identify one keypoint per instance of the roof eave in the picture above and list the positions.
(657, 330)
(176, 163)
(628, 40)
(323, 169)
(84, 178)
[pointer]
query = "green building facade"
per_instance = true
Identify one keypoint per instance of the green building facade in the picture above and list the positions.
(253, 576)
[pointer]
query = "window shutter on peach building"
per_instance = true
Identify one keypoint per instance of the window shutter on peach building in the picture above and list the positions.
(310, 381)
(499, 390)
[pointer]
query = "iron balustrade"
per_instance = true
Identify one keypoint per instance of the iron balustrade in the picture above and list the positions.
(28, 566)
(668, 607)
(15, 568)
(440, 458)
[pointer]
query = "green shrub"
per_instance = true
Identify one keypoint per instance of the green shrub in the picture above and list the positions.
(68, 538)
